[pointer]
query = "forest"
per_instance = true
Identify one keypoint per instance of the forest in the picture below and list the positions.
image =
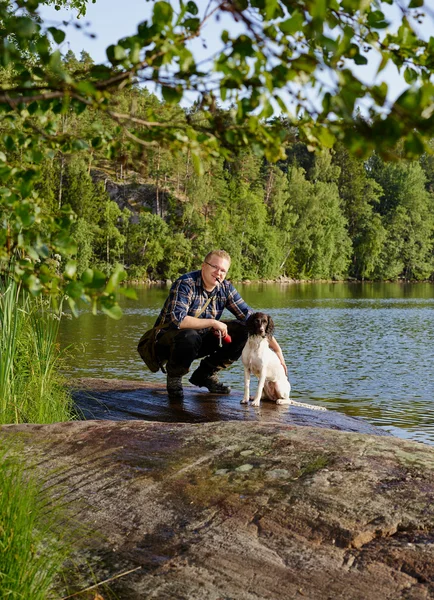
(322, 214)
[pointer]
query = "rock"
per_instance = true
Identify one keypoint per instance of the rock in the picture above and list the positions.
(118, 400)
(244, 510)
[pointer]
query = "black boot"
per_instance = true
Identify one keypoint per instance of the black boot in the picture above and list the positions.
(206, 376)
(174, 388)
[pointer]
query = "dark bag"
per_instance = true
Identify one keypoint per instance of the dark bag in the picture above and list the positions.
(147, 346)
(148, 351)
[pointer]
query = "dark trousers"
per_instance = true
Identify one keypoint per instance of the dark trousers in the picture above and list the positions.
(180, 347)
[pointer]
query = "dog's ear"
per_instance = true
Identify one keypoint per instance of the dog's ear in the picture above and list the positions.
(250, 322)
(270, 327)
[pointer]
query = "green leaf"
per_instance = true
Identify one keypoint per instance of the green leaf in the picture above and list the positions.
(74, 289)
(128, 293)
(25, 27)
(319, 9)
(116, 277)
(71, 269)
(85, 88)
(409, 100)
(292, 25)
(270, 7)
(64, 244)
(377, 20)
(410, 75)
(87, 276)
(326, 137)
(415, 4)
(192, 24)
(26, 214)
(58, 34)
(116, 54)
(32, 283)
(113, 311)
(413, 145)
(163, 13)
(191, 8)
(172, 95)
(73, 306)
(359, 59)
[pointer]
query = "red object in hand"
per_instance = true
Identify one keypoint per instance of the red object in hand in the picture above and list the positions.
(227, 339)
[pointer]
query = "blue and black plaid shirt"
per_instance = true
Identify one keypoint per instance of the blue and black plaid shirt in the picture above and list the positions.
(187, 295)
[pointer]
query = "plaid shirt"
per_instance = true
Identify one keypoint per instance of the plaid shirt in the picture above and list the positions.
(187, 295)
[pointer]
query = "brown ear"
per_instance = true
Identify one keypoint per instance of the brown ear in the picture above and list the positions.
(270, 327)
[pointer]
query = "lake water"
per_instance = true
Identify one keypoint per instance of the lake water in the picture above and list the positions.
(364, 349)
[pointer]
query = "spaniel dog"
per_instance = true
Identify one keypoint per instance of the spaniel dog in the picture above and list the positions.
(258, 358)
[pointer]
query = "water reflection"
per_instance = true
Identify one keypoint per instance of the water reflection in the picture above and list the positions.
(362, 349)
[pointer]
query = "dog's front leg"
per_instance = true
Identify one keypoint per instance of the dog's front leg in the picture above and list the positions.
(261, 383)
(246, 396)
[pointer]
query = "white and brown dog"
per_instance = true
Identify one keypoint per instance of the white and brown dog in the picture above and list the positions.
(260, 360)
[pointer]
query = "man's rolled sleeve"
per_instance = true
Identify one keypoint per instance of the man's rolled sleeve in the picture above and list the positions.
(180, 298)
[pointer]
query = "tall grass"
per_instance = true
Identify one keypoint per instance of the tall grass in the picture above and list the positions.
(33, 550)
(31, 387)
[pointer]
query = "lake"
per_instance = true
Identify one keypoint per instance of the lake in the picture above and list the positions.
(364, 349)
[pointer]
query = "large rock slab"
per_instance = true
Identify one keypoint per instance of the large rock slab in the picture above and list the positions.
(114, 399)
(243, 510)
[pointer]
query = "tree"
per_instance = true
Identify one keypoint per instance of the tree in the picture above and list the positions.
(319, 246)
(360, 196)
(278, 54)
(407, 213)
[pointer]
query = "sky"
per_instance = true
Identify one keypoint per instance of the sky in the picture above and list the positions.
(110, 20)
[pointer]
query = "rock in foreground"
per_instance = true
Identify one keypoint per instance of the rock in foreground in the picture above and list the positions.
(245, 510)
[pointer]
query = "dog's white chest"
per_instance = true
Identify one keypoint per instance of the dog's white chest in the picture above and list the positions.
(254, 354)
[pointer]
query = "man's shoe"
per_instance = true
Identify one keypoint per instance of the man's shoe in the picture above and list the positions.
(174, 388)
(211, 382)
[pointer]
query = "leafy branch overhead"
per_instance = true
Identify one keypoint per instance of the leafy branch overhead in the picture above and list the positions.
(300, 59)
(279, 64)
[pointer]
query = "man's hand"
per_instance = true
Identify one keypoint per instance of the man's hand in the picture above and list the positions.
(222, 327)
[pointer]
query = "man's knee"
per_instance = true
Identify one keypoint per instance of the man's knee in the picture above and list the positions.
(188, 338)
(185, 347)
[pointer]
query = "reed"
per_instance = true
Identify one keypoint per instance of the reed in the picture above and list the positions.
(32, 389)
(33, 550)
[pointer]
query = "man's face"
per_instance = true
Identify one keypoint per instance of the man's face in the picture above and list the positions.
(213, 270)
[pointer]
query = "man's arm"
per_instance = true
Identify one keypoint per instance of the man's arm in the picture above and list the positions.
(196, 323)
(277, 349)
(236, 305)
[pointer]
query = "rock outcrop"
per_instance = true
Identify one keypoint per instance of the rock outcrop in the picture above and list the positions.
(243, 510)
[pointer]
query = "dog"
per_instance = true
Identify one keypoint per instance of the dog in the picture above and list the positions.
(260, 360)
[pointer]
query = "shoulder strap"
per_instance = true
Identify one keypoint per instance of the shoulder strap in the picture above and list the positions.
(200, 310)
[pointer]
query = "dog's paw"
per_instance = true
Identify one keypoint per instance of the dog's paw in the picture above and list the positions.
(256, 402)
(244, 401)
(283, 401)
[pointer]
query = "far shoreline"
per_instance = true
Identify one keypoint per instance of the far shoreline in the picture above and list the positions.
(285, 281)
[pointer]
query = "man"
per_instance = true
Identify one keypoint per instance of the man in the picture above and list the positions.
(192, 314)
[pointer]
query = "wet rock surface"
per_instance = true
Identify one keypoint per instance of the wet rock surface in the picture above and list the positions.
(243, 510)
(120, 400)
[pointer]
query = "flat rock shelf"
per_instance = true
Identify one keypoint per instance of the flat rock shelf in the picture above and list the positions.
(116, 400)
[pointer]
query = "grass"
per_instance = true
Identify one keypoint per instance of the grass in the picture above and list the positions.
(32, 549)
(31, 387)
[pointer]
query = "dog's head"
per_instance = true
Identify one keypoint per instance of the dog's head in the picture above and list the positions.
(260, 324)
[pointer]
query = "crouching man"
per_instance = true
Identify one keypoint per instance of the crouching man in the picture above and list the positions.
(192, 313)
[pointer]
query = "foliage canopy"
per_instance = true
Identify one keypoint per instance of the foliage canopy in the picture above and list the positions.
(282, 64)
